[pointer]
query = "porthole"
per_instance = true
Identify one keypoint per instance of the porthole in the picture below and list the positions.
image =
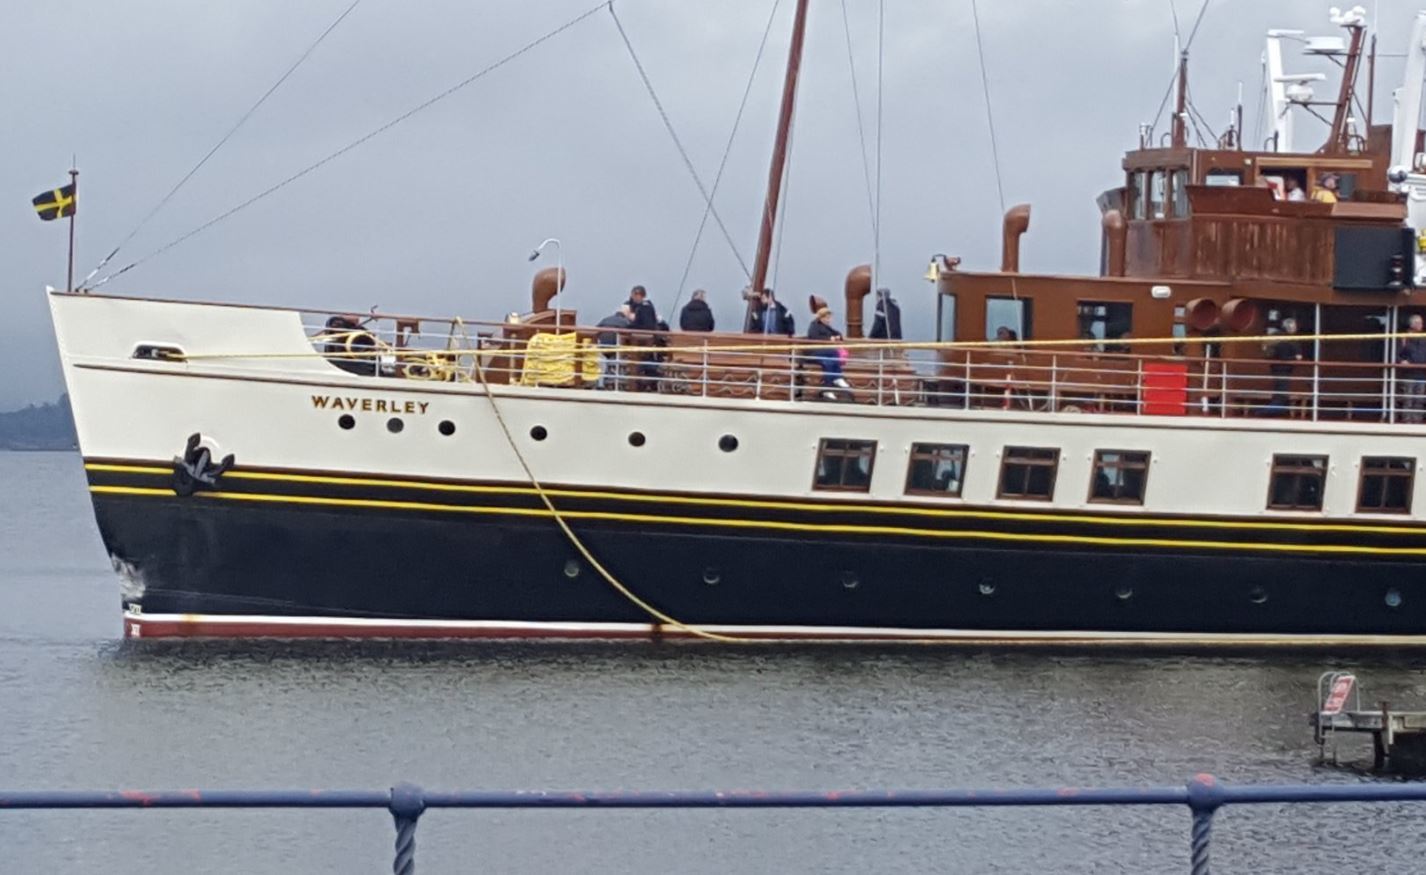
(538, 433)
(727, 443)
(346, 421)
(571, 569)
(636, 439)
(712, 577)
(446, 427)
(1124, 592)
(1257, 595)
(850, 580)
(395, 425)
(987, 587)
(1393, 598)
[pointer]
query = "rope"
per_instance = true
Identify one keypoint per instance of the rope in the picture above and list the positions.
(683, 153)
(783, 202)
(989, 116)
(861, 129)
(359, 141)
(578, 543)
(204, 160)
(880, 64)
(727, 150)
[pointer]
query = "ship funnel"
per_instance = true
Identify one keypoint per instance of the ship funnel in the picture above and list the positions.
(1201, 314)
(858, 287)
(1116, 235)
(1017, 222)
(548, 282)
(1239, 314)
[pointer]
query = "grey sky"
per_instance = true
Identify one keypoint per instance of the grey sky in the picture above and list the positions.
(438, 214)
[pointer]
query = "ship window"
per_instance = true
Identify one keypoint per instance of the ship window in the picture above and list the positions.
(946, 317)
(1120, 476)
(1180, 193)
(1157, 185)
(1012, 314)
(1028, 472)
(1141, 194)
(1105, 320)
(1386, 484)
(1223, 178)
(936, 469)
(1297, 482)
(844, 465)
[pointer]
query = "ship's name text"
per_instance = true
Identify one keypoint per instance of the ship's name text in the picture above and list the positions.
(369, 405)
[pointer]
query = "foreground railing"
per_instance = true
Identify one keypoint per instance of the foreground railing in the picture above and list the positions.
(1203, 796)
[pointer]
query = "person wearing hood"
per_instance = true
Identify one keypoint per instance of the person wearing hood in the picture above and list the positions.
(887, 323)
(696, 315)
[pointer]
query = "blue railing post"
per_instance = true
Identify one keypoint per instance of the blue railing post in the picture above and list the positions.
(407, 804)
(1205, 797)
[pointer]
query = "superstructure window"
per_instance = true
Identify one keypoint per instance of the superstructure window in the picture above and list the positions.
(1158, 194)
(1105, 320)
(1010, 315)
(1297, 482)
(936, 469)
(1386, 484)
(844, 465)
(946, 318)
(1028, 472)
(1120, 476)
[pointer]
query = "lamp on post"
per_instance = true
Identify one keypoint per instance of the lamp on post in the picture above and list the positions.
(559, 273)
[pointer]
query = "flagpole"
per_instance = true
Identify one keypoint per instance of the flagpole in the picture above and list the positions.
(74, 193)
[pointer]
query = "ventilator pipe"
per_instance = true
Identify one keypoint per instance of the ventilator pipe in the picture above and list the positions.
(1017, 222)
(858, 287)
(1116, 233)
(1239, 315)
(1201, 314)
(547, 283)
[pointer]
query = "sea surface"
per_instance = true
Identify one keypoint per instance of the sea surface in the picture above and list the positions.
(81, 709)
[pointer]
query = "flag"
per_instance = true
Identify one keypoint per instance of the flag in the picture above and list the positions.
(56, 204)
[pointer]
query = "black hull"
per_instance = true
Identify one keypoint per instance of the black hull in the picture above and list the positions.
(328, 547)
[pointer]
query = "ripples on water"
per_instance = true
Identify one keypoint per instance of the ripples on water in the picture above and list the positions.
(80, 709)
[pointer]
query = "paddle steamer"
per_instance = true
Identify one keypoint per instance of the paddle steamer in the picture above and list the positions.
(1146, 456)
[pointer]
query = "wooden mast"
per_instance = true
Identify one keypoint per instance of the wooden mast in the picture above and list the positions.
(779, 153)
(1339, 140)
(1180, 110)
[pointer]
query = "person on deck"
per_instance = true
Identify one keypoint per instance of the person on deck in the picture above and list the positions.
(770, 317)
(1411, 356)
(829, 359)
(1326, 192)
(1283, 353)
(696, 315)
(645, 318)
(1293, 189)
(886, 325)
(621, 318)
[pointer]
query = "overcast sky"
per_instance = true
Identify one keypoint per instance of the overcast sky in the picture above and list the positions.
(438, 214)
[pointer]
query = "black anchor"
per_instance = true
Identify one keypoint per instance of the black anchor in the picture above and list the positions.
(195, 470)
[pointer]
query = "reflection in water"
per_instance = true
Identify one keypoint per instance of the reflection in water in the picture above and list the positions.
(82, 709)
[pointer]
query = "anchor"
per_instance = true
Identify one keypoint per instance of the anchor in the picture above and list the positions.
(195, 470)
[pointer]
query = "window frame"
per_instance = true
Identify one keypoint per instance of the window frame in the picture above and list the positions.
(868, 450)
(1025, 322)
(930, 456)
(1280, 466)
(1098, 463)
(1409, 475)
(941, 317)
(1006, 454)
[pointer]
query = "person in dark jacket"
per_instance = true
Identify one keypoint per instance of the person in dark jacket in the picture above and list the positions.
(1411, 355)
(645, 316)
(696, 315)
(887, 323)
(609, 373)
(828, 358)
(1284, 354)
(770, 317)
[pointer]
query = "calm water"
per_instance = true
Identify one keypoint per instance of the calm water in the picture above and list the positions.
(80, 709)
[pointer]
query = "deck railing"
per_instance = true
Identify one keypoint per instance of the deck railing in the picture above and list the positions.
(1203, 796)
(1083, 378)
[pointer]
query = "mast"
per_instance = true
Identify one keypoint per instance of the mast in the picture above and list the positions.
(1339, 142)
(1180, 110)
(779, 150)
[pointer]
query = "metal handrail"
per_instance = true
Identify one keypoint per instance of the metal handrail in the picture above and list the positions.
(1203, 795)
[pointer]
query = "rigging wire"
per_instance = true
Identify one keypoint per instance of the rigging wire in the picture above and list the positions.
(880, 64)
(489, 68)
(786, 196)
(861, 129)
(989, 115)
(727, 150)
(221, 142)
(668, 125)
